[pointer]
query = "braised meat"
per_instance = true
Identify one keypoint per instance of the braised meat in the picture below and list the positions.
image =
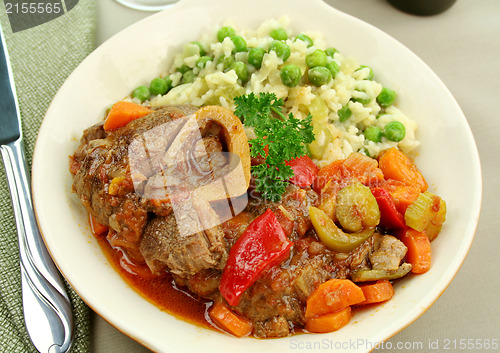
(388, 253)
(184, 250)
(132, 178)
(292, 210)
(103, 179)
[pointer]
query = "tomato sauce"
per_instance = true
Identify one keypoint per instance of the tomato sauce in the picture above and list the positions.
(160, 290)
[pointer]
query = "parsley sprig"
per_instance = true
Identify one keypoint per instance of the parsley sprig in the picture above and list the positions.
(279, 139)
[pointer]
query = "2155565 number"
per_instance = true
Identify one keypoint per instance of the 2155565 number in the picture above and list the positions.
(33, 8)
(477, 344)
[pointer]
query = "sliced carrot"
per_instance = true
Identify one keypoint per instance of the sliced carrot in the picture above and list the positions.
(357, 165)
(419, 250)
(329, 322)
(378, 292)
(335, 171)
(363, 168)
(229, 321)
(122, 113)
(333, 295)
(95, 226)
(402, 194)
(398, 166)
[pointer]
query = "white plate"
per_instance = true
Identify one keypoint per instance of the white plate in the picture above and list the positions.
(448, 158)
(147, 5)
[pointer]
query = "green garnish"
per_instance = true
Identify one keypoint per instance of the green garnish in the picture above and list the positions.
(279, 138)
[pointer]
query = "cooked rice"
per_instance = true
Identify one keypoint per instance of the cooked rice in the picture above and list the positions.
(214, 86)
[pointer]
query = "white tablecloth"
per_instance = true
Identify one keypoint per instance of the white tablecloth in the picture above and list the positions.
(462, 45)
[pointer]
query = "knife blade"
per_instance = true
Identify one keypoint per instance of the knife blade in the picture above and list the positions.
(46, 305)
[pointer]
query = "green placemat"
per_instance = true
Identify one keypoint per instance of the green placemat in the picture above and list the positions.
(42, 57)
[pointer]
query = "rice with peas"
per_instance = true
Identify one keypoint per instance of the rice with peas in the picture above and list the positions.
(216, 82)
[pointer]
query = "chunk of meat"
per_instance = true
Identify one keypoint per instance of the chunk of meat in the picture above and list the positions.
(147, 149)
(105, 172)
(185, 241)
(309, 277)
(267, 299)
(207, 154)
(345, 263)
(204, 283)
(276, 327)
(103, 157)
(91, 136)
(292, 211)
(127, 224)
(235, 226)
(388, 253)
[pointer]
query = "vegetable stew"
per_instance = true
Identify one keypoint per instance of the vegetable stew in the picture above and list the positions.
(240, 255)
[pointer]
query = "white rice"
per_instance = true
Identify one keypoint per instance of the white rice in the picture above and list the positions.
(214, 86)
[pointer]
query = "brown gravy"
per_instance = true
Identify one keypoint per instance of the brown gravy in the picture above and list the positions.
(161, 291)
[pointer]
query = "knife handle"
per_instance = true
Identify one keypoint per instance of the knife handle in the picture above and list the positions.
(43, 289)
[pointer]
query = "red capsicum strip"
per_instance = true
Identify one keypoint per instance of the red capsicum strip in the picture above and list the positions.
(389, 215)
(261, 246)
(304, 170)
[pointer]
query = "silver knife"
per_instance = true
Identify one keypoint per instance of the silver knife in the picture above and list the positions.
(46, 306)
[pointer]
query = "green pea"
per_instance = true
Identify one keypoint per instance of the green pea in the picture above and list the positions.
(224, 32)
(241, 70)
(279, 34)
(169, 83)
(202, 50)
(316, 58)
(142, 93)
(370, 74)
(290, 75)
(239, 44)
(319, 75)
(183, 69)
(344, 113)
(386, 97)
(226, 61)
(373, 133)
(203, 60)
(305, 38)
(158, 86)
(395, 131)
(255, 56)
(331, 51)
(188, 77)
(333, 68)
(281, 49)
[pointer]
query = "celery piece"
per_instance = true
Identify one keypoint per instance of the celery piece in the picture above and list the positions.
(434, 227)
(333, 237)
(362, 275)
(357, 208)
(427, 213)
